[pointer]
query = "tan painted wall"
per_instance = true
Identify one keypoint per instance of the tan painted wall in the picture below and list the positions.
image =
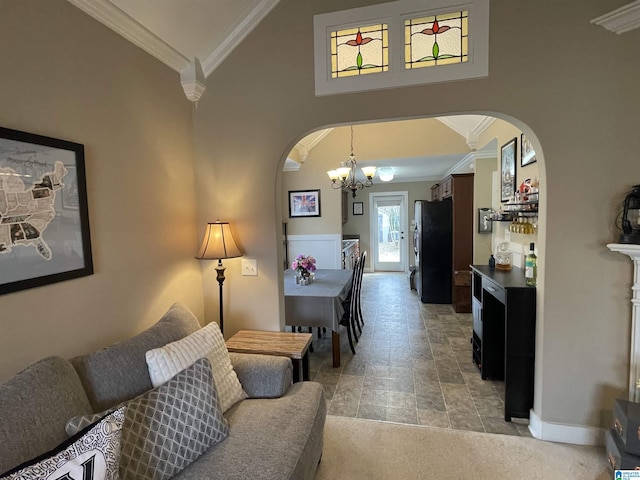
(66, 76)
(580, 99)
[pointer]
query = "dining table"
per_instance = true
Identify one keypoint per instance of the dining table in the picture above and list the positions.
(319, 303)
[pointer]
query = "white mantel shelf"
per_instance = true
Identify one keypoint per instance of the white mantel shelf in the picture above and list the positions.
(633, 251)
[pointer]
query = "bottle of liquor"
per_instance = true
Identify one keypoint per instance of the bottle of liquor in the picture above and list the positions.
(531, 267)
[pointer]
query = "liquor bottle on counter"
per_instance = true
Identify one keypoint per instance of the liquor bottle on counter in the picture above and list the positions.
(531, 267)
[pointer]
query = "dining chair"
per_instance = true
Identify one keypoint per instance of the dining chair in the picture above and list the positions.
(359, 317)
(352, 318)
(351, 309)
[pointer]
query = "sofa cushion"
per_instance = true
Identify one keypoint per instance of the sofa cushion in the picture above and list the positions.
(93, 453)
(171, 426)
(36, 403)
(165, 362)
(279, 438)
(119, 372)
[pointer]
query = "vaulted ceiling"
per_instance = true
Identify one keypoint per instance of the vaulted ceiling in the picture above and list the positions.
(194, 36)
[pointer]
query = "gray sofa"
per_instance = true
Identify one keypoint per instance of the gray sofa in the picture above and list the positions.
(276, 433)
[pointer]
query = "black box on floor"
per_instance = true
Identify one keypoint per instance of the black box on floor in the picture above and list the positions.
(618, 458)
(626, 422)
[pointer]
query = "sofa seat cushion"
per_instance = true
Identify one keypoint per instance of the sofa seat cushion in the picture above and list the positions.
(278, 438)
(119, 372)
(36, 404)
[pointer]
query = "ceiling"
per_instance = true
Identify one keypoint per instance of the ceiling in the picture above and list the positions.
(419, 168)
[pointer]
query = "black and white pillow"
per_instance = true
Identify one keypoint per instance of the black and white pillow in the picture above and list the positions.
(169, 427)
(94, 453)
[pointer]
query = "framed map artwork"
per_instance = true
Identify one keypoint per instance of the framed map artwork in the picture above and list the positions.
(44, 220)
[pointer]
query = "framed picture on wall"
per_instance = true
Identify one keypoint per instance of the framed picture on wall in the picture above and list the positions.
(508, 154)
(527, 153)
(304, 203)
(485, 225)
(44, 220)
(358, 208)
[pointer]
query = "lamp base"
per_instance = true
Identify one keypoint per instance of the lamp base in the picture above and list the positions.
(633, 238)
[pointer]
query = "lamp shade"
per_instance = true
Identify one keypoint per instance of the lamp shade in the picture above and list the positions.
(218, 243)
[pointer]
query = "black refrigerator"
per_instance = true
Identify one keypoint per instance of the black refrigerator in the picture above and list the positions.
(432, 243)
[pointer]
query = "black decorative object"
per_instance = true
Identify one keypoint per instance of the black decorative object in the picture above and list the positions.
(631, 217)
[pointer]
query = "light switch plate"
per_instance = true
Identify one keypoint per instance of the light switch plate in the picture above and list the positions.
(249, 266)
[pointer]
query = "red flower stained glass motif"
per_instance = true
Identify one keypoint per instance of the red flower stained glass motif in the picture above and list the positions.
(435, 29)
(356, 43)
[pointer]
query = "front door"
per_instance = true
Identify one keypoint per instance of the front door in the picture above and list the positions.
(388, 231)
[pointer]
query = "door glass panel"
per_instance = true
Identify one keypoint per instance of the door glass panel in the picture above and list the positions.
(388, 233)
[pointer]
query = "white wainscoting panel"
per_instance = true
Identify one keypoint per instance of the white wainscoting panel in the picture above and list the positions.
(326, 249)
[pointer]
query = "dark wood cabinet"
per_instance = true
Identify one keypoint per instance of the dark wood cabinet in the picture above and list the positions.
(504, 331)
(460, 188)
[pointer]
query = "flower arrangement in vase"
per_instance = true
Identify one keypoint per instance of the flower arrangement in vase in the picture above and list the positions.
(304, 265)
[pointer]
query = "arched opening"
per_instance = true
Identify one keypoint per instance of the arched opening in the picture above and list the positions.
(421, 153)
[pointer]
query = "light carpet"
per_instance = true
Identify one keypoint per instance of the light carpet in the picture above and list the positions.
(356, 449)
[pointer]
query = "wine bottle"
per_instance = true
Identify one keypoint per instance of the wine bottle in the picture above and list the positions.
(531, 267)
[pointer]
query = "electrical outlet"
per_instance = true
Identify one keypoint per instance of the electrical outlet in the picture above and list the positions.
(249, 266)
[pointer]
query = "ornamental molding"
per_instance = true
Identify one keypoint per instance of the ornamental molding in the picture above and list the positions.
(621, 20)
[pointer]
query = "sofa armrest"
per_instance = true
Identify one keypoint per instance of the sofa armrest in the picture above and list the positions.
(263, 376)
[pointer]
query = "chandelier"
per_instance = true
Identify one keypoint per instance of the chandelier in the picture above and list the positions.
(344, 177)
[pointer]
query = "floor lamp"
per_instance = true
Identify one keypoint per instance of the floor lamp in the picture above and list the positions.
(218, 244)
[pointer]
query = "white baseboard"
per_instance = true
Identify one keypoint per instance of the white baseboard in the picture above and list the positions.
(557, 432)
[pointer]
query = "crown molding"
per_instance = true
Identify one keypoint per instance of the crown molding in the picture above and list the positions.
(621, 20)
(290, 165)
(121, 23)
(465, 164)
(248, 23)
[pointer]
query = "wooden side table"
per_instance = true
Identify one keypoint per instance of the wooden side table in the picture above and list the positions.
(286, 344)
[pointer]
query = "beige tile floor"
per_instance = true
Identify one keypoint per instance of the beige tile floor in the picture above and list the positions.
(412, 365)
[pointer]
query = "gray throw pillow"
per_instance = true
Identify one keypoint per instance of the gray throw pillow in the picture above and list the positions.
(169, 427)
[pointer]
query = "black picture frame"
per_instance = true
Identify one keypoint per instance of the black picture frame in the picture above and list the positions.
(527, 153)
(44, 217)
(358, 208)
(508, 154)
(304, 203)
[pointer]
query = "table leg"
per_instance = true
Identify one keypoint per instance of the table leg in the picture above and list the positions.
(335, 348)
(296, 370)
(305, 366)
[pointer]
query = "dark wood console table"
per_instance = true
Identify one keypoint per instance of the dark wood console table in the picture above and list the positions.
(504, 332)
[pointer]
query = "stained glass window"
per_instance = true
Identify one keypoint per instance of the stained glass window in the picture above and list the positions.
(359, 51)
(436, 40)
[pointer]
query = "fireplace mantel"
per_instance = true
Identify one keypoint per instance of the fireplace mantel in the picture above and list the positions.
(633, 251)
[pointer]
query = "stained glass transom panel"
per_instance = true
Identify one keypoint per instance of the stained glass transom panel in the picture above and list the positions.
(360, 50)
(437, 40)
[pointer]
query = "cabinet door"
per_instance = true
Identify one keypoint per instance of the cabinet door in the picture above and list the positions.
(435, 193)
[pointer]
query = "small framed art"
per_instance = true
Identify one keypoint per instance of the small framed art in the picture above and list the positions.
(527, 153)
(508, 154)
(485, 225)
(304, 203)
(358, 208)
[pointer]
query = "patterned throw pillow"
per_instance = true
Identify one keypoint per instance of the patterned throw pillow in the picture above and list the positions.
(93, 453)
(169, 427)
(76, 424)
(165, 362)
